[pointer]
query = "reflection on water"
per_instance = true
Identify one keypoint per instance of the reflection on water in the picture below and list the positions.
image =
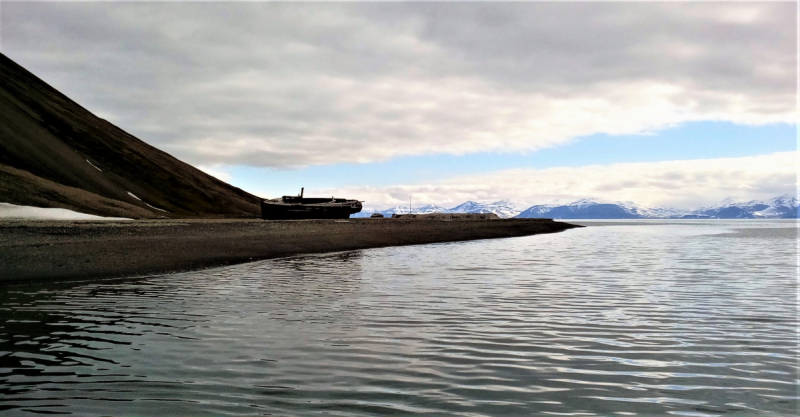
(655, 318)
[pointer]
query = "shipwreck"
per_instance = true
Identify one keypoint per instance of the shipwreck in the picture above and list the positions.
(299, 207)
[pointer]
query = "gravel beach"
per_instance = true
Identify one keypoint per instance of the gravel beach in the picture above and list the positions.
(48, 251)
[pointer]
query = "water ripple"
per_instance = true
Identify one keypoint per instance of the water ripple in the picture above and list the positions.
(694, 319)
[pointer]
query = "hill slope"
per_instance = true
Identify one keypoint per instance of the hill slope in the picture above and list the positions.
(59, 146)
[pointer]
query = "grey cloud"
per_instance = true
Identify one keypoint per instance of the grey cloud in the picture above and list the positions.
(288, 84)
(558, 44)
(620, 186)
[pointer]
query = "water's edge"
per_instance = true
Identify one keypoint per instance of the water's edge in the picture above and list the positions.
(68, 251)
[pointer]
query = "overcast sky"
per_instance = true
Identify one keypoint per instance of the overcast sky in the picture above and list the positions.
(680, 104)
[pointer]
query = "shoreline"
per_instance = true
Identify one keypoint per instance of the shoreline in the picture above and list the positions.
(36, 251)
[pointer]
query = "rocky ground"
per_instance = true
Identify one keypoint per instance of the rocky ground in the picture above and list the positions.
(41, 251)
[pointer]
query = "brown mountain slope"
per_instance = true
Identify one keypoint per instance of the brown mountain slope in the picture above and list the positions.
(48, 135)
(25, 189)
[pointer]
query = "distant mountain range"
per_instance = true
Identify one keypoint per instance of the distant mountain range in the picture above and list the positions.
(503, 208)
(785, 206)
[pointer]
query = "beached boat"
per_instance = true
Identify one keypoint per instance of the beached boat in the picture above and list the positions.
(298, 207)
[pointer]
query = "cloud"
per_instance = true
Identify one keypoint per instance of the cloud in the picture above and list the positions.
(680, 184)
(289, 84)
(217, 172)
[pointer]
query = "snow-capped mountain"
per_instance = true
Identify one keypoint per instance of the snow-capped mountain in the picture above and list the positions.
(470, 207)
(582, 209)
(506, 208)
(386, 213)
(655, 212)
(503, 208)
(430, 208)
(537, 211)
(784, 206)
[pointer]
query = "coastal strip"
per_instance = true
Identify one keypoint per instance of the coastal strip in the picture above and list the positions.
(51, 251)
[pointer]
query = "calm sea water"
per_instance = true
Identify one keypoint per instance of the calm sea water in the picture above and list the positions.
(630, 318)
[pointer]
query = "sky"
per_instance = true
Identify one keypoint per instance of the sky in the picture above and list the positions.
(677, 104)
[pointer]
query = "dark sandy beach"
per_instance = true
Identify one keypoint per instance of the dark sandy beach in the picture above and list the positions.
(42, 251)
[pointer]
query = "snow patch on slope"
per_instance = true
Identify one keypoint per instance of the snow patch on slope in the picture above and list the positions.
(156, 208)
(95, 166)
(148, 204)
(15, 212)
